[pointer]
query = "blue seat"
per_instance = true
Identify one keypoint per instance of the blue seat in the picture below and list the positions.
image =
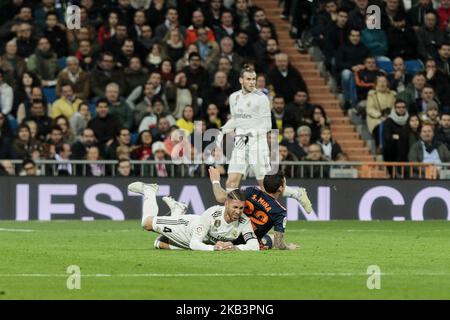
(50, 94)
(62, 63)
(92, 108)
(134, 138)
(13, 123)
(412, 66)
(386, 66)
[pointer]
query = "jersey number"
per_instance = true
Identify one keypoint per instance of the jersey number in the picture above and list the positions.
(167, 229)
(258, 216)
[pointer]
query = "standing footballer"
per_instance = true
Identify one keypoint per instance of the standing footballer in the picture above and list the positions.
(251, 123)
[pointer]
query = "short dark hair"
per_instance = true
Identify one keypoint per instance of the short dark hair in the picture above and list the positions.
(353, 29)
(236, 194)
(51, 13)
(278, 97)
(246, 68)
(273, 182)
(28, 161)
(419, 74)
(123, 160)
(400, 101)
(101, 100)
(193, 54)
(107, 53)
(55, 127)
(60, 147)
(444, 43)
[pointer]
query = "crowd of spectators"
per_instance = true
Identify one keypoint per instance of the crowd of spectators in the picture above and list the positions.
(393, 69)
(122, 85)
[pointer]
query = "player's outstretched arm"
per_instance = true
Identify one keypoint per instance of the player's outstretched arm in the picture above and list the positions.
(200, 230)
(219, 192)
(278, 242)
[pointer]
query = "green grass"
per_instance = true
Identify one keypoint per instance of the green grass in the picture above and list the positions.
(414, 258)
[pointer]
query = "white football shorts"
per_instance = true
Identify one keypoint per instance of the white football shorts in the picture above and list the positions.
(250, 152)
(178, 229)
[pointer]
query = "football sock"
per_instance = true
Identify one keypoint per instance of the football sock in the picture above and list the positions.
(172, 247)
(150, 207)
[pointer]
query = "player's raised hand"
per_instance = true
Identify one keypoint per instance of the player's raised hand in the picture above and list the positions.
(214, 174)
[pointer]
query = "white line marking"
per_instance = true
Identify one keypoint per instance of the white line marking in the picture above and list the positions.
(221, 275)
(15, 230)
(362, 230)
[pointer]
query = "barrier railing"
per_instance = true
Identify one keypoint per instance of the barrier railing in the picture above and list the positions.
(292, 169)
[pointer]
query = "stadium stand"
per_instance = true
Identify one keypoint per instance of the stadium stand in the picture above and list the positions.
(160, 65)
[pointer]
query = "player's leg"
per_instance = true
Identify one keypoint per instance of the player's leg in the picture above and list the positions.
(150, 206)
(238, 164)
(176, 229)
(233, 181)
(300, 195)
(176, 208)
(263, 167)
(164, 243)
(260, 163)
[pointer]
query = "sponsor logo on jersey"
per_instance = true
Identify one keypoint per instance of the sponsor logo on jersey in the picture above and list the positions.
(199, 230)
(217, 214)
(243, 116)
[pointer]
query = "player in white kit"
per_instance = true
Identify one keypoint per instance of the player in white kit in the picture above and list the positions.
(215, 229)
(251, 123)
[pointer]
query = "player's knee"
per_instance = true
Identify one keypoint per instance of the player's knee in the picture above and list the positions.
(161, 245)
(148, 224)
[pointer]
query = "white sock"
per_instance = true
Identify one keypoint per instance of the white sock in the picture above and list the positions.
(289, 192)
(150, 207)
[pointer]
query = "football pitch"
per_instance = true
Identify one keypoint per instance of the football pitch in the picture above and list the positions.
(117, 261)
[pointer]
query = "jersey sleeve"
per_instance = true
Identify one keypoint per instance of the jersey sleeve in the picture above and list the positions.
(265, 116)
(251, 242)
(280, 222)
(200, 230)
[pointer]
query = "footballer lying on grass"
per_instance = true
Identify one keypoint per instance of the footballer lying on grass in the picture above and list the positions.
(262, 207)
(215, 229)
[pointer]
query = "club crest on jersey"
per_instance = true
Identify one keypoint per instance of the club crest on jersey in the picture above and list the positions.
(217, 223)
(235, 234)
(248, 104)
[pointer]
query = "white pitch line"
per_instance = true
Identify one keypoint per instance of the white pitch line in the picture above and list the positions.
(220, 275)
(362, 230)
(15, 230)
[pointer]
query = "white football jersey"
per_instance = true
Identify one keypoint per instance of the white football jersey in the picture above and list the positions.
(212, 227)
(250, 112)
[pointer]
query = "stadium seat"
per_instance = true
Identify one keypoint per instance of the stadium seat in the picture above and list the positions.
(92, 108)
(50, 94)
(13, 123)
(62, 63)
(134, 138)
(386, 66)
(412, 66)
